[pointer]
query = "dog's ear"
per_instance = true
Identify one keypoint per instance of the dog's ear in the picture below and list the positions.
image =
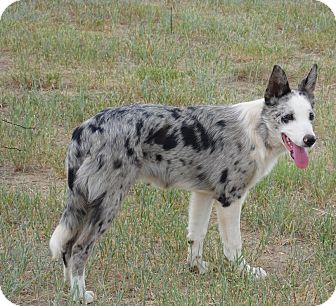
(277, 86)
(308, 84)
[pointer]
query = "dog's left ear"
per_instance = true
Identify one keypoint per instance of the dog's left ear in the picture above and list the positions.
(308, 84)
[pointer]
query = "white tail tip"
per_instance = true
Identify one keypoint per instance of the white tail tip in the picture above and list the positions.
(58, 239)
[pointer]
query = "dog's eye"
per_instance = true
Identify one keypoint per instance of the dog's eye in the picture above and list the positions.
(311, 116)
(287, 118)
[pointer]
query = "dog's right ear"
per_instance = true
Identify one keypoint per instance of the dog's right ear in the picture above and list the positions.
(277, 86)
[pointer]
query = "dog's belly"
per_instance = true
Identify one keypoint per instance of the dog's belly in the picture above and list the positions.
(182, 183)
(154, 181)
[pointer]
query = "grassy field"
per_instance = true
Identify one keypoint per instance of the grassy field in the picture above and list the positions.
(63, 61)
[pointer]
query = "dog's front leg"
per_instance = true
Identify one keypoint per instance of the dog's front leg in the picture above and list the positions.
(199, 215)
(229, 228)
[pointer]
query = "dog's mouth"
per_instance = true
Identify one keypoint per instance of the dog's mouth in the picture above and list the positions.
(298, 154)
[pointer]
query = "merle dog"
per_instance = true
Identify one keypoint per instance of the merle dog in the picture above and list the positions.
(216, 152)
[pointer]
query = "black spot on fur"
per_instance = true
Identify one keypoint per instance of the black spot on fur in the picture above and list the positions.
(100, 118)
(158, 157)
(189, 136)
(100, 162)
(202, 177)
(64, 260)
(170, 142)
(236, 162)
(146, 115)
(224, 200)
(127, 143)
(120, 111)
(97, 202)
(224, 176)
(130, 152)
(95, 128)
(233, 189)
(71, 177)
(221, 123)
(117, 164)
(239, 146)
(182, 161)
(139, 126)
(88, 247)
(161, 137)
(205, 138)
(100, 226)
(199, 167)
(76, 135)
(78, 154)
(175, 112)
(80, 212)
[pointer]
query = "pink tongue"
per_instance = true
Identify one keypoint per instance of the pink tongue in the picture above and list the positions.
(300, 156)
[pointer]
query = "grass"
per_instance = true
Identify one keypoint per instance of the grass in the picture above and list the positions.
(63, 61)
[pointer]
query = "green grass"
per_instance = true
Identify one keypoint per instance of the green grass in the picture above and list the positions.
(63, 61)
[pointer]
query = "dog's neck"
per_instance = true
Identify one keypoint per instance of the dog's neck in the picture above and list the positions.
(260, 136)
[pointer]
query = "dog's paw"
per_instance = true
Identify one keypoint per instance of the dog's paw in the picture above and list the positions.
(88, 297)
(258, 273)
(199, 266)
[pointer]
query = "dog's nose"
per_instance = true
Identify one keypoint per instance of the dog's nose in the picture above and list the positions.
(309, 140)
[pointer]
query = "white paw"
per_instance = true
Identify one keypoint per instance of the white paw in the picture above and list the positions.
(88, 297)
(200, 266)
(258, 273)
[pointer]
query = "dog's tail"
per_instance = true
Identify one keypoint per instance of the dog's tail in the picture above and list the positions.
(59, 239)
(75, 211)
(69, 225)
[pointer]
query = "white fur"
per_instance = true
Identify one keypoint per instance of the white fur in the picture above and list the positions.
(60, 236)
(78, 289)
(265, 159)
(301, 125)
(199, 215)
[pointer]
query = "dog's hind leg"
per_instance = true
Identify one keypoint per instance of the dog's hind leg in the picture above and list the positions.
(101, 212)
(199, 215)
(229, 229)
(65, 233)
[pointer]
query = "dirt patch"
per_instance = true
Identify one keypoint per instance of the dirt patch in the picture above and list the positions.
(5, 63)
(32, 177)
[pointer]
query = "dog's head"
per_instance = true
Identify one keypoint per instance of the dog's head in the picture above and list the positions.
(290, 113)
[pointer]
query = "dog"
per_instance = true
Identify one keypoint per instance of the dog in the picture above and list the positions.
(216, 152)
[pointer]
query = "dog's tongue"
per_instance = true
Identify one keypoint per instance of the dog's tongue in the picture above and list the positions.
(300, 156)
